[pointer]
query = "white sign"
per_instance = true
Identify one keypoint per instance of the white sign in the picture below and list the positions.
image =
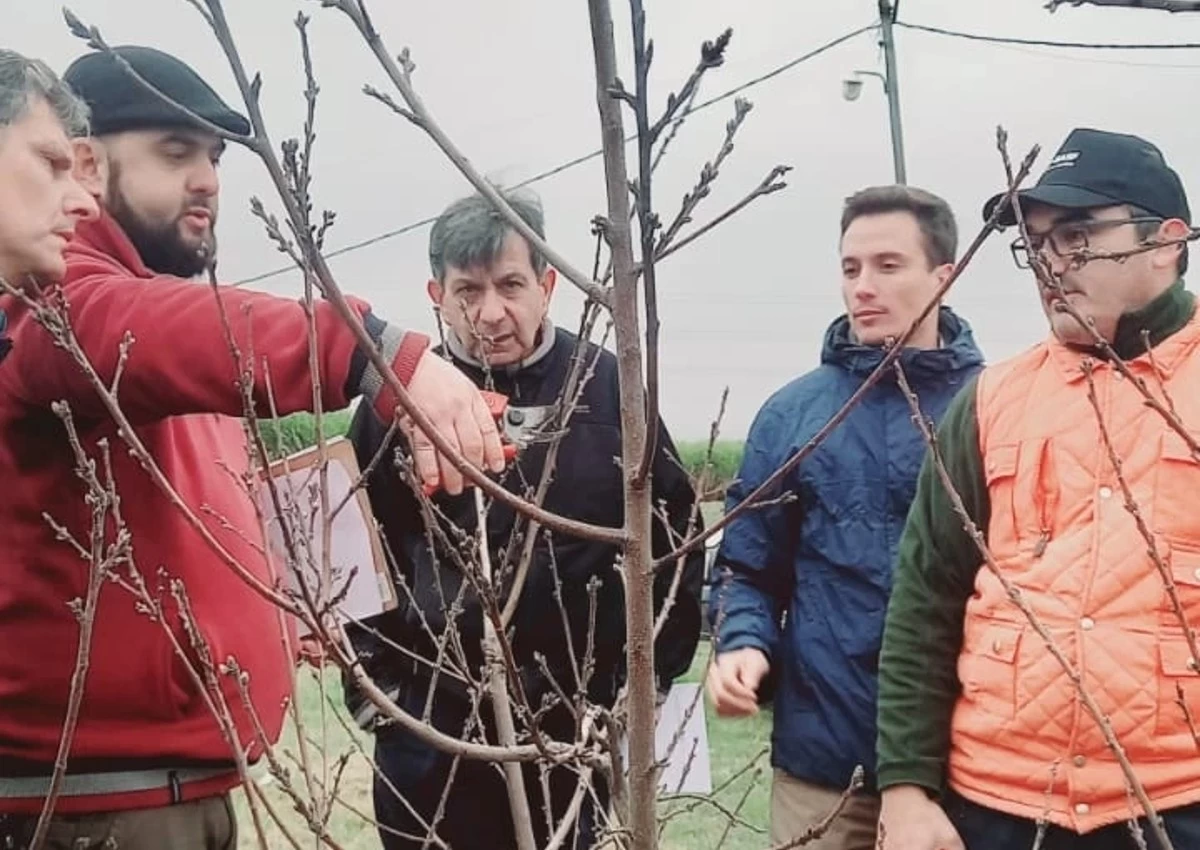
(686, 767)
(358, 572)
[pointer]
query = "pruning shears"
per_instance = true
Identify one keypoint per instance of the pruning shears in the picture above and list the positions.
(519, 426)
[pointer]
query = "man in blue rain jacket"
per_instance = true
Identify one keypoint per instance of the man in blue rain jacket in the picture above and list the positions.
(800, 586)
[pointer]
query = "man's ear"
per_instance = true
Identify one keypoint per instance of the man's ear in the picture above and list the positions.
(435, 291)
(1170, 230)
(549, 281)
(943, 273)
(91, 166)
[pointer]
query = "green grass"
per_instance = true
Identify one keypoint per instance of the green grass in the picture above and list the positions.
(733, 745)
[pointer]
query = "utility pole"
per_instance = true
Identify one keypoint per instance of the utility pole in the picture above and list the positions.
(891, 83)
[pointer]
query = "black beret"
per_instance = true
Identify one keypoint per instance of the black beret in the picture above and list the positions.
(119, 102)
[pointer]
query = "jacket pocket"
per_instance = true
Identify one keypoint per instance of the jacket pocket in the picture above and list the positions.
(1178, 686)
(1183, 565)
(1175, 513)
(1023, 488)
(1000, 472)
(987, 667)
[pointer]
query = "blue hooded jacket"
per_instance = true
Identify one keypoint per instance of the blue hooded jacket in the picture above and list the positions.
(807, 581)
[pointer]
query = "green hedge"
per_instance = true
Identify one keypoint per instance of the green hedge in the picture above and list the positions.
(290, 434)
(726, 459)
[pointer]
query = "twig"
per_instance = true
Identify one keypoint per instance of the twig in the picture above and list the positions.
(1181, 699)
(712, 55)
(1047, 279)
(571, 815)
(1131, 506)
(260, 145)
(708, 176)
(103, 498)
(701, 485)
(506, 732)
(889, 358)
(648, 224)
(822, 826)
(770, 184)
(738, 809)
(568, 403)
(1081, 256)
(401, 78)
(676, 125)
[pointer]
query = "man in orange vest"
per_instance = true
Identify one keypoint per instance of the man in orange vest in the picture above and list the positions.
(984, 740)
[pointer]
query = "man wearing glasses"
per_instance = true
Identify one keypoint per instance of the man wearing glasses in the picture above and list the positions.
(983, 738)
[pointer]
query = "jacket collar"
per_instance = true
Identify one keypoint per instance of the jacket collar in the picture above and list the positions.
(1161, 320)
(957, 352)
(546, 339)
(104, 236)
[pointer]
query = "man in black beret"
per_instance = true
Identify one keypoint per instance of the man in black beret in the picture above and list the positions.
(150, 763)
(161, 182)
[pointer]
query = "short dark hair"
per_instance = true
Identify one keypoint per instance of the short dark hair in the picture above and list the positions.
(1146, 230)
(23, 81)
(933, 215)
(470, 232)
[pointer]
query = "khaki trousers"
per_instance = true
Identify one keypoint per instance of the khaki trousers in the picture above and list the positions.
(206, 824)
(797, 806)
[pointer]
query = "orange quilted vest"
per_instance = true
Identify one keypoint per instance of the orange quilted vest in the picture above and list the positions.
(1022, 741)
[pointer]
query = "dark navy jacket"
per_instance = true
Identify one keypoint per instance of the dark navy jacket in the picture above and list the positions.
(807, 581)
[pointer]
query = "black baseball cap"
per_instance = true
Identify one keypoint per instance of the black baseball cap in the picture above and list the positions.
(119, 102)
(1096, 168)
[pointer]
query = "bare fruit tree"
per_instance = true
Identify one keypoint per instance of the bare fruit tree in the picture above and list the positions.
(631, 238)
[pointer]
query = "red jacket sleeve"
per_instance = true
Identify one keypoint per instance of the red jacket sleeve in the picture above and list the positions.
(180, 359)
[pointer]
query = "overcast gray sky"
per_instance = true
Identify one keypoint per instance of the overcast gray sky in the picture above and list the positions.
(512, 82)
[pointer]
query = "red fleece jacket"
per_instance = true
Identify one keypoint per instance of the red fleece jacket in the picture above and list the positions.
(141, 707)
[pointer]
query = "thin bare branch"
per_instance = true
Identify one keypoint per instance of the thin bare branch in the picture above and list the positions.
(260, 144)
(821, 827)
(648, 225)
(506, 732)
(401, 78)
(708, 176)
(1131, 506)
(773, 182)
(889, 359)
(1015, 594)
(712, 55)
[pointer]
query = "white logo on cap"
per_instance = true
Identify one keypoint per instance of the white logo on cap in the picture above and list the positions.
(1066, 159)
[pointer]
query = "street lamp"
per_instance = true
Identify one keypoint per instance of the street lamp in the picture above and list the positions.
(852, 87)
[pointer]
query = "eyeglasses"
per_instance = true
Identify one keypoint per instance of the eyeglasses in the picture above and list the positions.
(1067, 238)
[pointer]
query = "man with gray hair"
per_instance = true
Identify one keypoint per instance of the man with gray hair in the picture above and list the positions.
(493, 291)
(40, 202)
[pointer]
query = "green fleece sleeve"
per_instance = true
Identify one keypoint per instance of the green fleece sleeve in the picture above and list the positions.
(934, 576)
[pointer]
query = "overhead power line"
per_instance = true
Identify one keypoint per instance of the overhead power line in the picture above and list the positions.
(774, 72)
(579, 160)
(1034, 42)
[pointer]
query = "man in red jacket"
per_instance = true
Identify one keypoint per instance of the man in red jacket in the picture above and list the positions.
(149, 763)
(40, 202)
